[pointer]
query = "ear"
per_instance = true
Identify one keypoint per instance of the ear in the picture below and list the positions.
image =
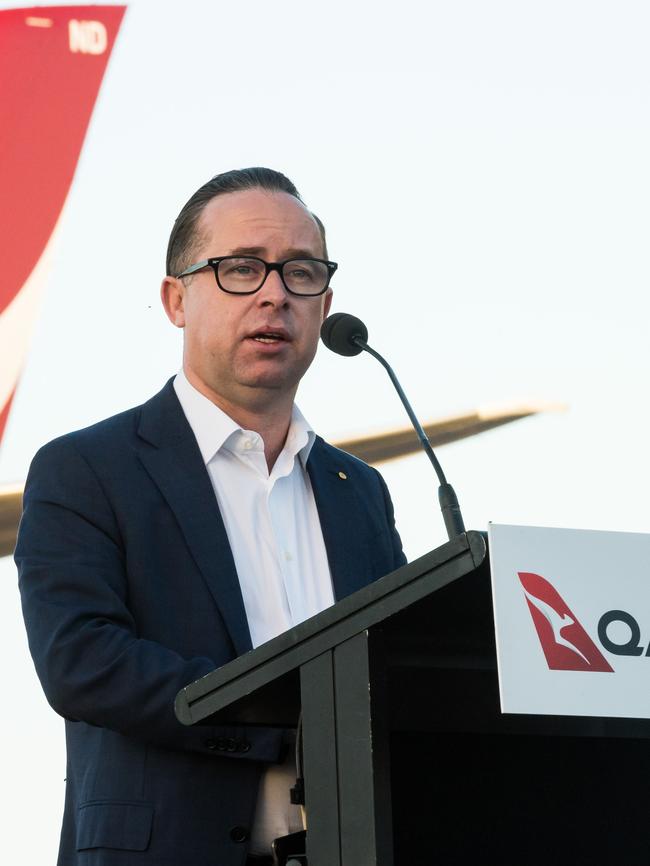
(172, 295)
(327, 303)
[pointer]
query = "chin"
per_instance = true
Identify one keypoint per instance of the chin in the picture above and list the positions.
(269, 380)
(271, 383)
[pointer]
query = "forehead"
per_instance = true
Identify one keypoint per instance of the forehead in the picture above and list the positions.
(274, 222)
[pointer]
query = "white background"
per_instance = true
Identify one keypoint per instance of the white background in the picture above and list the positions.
(482, 168)
(593, 572)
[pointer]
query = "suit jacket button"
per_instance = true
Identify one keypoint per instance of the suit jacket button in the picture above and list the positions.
(243, 746)
(221, 744)
(239, 834)
(231, 745)
(211, 744)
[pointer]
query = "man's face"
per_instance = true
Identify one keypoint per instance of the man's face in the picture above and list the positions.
(224, 346)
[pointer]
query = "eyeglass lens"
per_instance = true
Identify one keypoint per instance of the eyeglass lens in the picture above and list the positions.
(302, 276)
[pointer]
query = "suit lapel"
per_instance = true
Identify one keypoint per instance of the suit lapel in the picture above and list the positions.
(169, 453)
(339, 504)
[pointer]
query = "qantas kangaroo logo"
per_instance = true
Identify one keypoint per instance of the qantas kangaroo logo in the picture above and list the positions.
(565, 643)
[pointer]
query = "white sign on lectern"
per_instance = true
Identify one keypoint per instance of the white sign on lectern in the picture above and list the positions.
(572, 617)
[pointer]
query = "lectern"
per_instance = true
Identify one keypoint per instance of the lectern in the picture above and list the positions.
(407, 757)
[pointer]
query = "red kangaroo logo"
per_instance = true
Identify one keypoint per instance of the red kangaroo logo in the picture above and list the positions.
(566, 645)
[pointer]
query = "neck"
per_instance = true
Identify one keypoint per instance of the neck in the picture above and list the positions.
(268, 417)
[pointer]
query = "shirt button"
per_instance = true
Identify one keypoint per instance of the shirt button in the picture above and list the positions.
(288, 556)
(239, 834)
(247, 444)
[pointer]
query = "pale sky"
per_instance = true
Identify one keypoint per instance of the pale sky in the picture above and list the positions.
(482, 169)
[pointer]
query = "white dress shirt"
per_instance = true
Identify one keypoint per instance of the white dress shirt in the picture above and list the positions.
(274, 532)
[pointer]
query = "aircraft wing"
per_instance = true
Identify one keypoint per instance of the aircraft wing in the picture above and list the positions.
(376, 448)
(396, 443)
(11, 506)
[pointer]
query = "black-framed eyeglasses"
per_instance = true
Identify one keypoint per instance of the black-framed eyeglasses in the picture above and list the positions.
(245, 275)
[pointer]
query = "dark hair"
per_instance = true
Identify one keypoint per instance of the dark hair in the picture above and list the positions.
(184, 237)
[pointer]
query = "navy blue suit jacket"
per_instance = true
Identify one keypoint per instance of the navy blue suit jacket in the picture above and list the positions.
(129, 593)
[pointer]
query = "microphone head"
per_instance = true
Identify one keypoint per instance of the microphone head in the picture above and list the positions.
(338, 330)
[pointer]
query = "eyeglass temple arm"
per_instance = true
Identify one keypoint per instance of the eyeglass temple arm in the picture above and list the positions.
(192, 269)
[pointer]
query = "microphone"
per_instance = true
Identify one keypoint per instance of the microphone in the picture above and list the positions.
(340, 331)
(346, 335)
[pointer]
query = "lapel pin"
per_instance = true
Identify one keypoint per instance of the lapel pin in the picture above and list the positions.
(343, 476)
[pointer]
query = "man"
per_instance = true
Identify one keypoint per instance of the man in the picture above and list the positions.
(161, 543)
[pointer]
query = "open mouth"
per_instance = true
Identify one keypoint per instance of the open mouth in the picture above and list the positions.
(269, 337)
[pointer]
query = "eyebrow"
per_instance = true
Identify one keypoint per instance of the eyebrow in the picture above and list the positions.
(261, 251)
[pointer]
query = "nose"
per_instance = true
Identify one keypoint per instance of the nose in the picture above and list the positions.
(273, 291)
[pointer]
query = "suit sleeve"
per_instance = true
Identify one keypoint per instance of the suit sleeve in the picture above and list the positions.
(92, 664)
(399, 558)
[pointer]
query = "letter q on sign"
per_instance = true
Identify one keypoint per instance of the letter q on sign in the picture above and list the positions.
(87, 37)
(630, 647)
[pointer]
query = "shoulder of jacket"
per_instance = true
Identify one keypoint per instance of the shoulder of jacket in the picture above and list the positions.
(344, 458)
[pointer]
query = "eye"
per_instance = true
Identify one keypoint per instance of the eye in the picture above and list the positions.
(301, 274)
(240, 269)
(299, 271)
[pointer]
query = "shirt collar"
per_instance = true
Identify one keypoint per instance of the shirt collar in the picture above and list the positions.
(300, 436)
(212, 427)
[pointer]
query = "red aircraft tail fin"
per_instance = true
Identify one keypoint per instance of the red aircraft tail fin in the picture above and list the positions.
(52, 61)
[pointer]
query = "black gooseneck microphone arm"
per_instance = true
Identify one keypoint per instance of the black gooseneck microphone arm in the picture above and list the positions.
(346, 335)
(446, 494)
